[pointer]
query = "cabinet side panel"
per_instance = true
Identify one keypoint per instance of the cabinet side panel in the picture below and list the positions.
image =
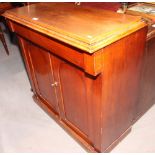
(147, 95)
(122, 66)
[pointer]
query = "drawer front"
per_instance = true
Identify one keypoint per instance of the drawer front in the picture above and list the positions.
(61, 49)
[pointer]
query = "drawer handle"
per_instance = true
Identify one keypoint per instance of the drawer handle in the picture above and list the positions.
(54, 84)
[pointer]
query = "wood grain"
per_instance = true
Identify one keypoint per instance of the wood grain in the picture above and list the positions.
(71, 23)
(147, 81)
(92, 95)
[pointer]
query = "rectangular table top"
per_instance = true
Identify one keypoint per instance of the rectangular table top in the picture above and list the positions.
(84, 27)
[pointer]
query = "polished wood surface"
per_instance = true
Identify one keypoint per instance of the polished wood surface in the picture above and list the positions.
(93, 96)
(121, 78)
(70, 23)
(113, 6)
(147, 85)
(41, 66)
(5, 6)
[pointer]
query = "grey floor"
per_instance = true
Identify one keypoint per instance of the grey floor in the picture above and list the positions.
(24, 127)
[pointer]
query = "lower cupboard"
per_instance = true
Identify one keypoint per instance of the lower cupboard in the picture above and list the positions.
(98, 110)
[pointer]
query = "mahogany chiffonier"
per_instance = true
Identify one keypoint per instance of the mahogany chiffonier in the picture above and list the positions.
(84, 66)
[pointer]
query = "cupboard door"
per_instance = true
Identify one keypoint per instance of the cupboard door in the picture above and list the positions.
(43, 75)
(72, 86)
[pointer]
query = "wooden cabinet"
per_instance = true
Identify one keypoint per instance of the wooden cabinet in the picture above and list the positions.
(86, 79)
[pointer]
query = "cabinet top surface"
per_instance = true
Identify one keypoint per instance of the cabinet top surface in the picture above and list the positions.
(86, 28)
